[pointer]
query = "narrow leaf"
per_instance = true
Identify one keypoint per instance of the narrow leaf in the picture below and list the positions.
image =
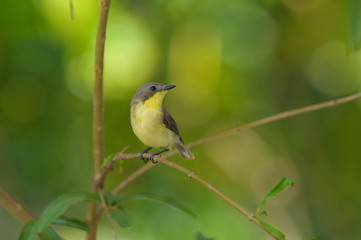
(263, 213)
(72, 222)
(123, 219)
(166, 201)
(200, 236)
(58, 206)
(49, 234)
(276, 190)
(29, 231)
(272, 230)
(108, 159)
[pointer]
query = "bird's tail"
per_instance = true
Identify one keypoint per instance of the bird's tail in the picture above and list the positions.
(183, 150)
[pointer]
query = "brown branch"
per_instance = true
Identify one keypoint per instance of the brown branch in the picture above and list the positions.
(192, 175)
(230, 132)
(98, 109)
(105, 207)
(14, 208)
(132, 177)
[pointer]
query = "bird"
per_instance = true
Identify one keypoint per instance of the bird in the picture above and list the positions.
(153, 124)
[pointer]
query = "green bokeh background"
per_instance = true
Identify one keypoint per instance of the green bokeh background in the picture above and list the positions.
(233, 62)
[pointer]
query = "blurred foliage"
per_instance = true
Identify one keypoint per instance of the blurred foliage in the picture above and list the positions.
(233, 62)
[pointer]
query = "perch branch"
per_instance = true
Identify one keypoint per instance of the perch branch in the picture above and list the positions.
(14, 208)
(235, 130)
(98, 109)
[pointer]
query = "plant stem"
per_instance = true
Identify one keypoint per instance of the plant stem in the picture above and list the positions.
(192, 175)
(98, 109)
(14, 208)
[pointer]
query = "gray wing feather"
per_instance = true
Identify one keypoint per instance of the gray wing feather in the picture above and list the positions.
(170, 123)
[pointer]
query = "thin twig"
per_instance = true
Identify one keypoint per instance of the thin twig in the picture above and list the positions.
(14, 208)
(104, 204)
(230, 132)
(192, 175)
(276, 117)
(98, 109)
(132, 177)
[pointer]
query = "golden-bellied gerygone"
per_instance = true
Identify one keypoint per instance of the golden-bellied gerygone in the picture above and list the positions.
(153, 124)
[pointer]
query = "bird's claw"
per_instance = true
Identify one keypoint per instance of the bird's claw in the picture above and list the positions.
(152, 158)
(145, 160)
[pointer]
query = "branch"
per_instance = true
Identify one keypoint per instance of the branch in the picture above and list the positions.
(98, 110)
(192, 175)
(227, 133)
(106, 209)
(14, 208)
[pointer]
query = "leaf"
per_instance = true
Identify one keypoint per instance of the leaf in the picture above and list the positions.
(29, 231)
(72, 222)
(263, 213)
(111, 199)
(355, 31)
(49, 234)
(58, 206)
(123, 219)
(200, 236)
(166, 201)
(272, 230)
(118, 165)
(108, 159)
(276, 190)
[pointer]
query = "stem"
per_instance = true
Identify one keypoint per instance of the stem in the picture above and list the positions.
(14, 208)
(98, 109)
(276, 117)
(105, 207)
(192, 175)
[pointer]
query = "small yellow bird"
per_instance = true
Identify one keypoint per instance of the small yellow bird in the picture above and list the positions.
(153, 124)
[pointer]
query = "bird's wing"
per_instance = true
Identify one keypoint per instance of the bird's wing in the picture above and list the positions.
(170, 123)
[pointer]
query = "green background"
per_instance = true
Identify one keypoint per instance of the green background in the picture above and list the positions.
(233, 62)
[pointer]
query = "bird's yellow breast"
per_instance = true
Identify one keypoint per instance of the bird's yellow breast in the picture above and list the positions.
(147, 122)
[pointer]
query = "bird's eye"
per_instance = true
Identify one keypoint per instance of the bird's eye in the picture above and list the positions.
(153, 88)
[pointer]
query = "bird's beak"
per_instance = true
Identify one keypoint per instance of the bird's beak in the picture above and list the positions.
(166, 88)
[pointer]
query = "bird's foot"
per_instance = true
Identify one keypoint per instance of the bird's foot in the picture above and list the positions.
(145, 160)
(156, 154)
(152, 158)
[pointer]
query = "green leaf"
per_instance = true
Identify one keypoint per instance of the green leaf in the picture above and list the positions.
(274, 231)
(355, 29)
(118, 165)
(29, 231)
(58, 206)
(276, 190)
(49, 234)
(200, 236)
(72, 222)
(108, 159)
(166, 201)
(263, 213)
(123, 219)
(111, 199)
